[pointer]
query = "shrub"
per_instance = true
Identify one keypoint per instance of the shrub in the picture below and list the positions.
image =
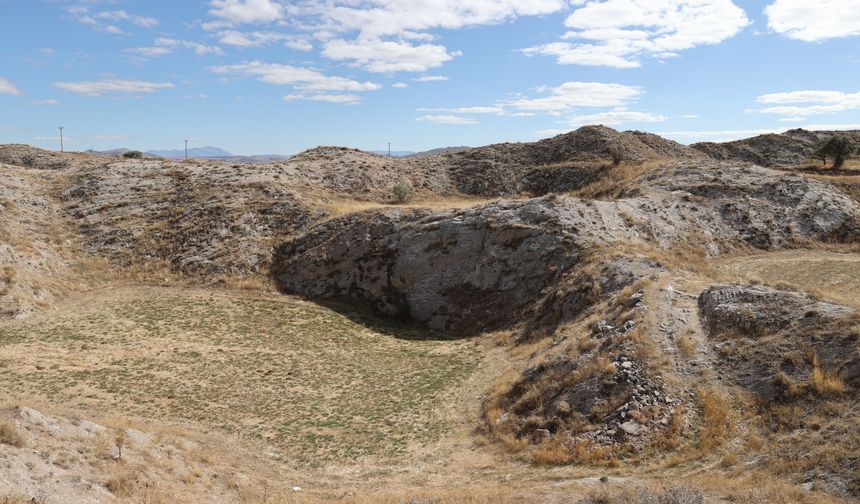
(839, 148)
(402, 193)
(9, 434)
(133, 154)
(28, 160)
(617, 155)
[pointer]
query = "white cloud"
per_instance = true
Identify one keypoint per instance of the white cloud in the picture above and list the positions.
(382, 36)
(466, 110)
(7, 87)
(149, 52)
(689, 116)
(249, 39)
(447, 119)
(299, 44)
(400, 85)
(381, 56)
(301, 78)
(164, 46)
(812, 21)
(101, 20)
(112, 86)
(199, 49)
(618, 33)
(577, 94)
(50, 101)
(809, 102)
(431, 78)
(716, 135)
(121, 15)
(345, 99)
(247, 11)
(614, 118)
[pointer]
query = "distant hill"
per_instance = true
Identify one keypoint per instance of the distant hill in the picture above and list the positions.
(197, 152)
(393, 153)
(436, 152)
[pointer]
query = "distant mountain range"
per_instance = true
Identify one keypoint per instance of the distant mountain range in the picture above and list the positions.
(219, 154)
(208, 152)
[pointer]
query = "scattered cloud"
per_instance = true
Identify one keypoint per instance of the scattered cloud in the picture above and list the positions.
(112, 86)
(7, 87)
(164, 46)
(50, 101)
(466, 110)
(447, 119)
(565, 97)
(148, 52)
(716, 135)
(249, 39)
(689, 116)
(400, 85)
(806, 103)
(614, 118)
(814, 21)
(381, 56)
(618, 33)
(104, 20)
(310, 84)
(199, 49)
(431, 78)
(345, 99)
(299, 44)
(236, 12)
(121, 15)
(382, 36)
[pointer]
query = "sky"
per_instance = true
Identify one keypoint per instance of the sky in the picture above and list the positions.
(281, 76)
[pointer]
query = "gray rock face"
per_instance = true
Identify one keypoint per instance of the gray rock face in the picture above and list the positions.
(490, 267)
(463, 272)
(770, 340)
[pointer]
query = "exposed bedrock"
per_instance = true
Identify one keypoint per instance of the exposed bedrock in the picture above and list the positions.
(773, 342)
(514, 262)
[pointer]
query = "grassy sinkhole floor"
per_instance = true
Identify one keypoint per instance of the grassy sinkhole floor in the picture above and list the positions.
(316, 385)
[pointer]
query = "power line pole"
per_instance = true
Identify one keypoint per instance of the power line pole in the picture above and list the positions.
(186, 150)
(61, 139)
(389, 149)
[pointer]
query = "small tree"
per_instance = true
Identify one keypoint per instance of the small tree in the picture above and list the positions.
(617, 155)
(133, 154)
(839, 148)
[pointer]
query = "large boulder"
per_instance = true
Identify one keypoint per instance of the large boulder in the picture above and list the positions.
(771, 341)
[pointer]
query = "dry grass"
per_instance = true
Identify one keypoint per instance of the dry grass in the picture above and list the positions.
(617, 181)
(830, 276)
(318, 385)
(124, 482)
(9, 434)
(825, 382)
(717, 418)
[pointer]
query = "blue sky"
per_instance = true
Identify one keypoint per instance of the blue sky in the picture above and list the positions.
(280, 76)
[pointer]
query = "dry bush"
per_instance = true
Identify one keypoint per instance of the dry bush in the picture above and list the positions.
(823, 381)
(9, 434)
(124, 482)
(617, 180)
(687, 346)
(717, 422)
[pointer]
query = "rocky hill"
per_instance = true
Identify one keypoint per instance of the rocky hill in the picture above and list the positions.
(589, 269)
(792, 148)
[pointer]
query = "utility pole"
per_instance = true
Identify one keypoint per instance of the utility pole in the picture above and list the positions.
(389, 149)
(61, 139)
(186, 150)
